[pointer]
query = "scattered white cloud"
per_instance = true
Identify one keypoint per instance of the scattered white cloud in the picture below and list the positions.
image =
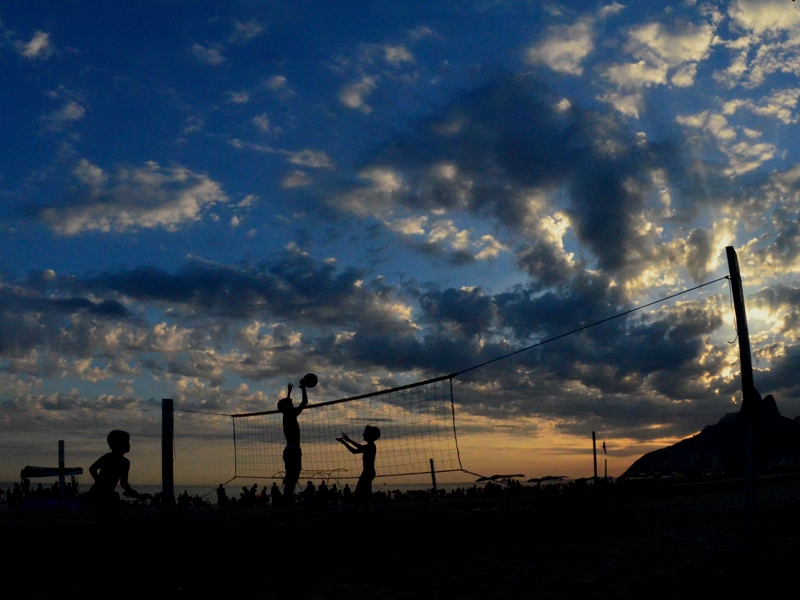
(421, 32)
(316, 159)
(353, 95)
(193, 125)
(629, 104)
(247, 201)
(444, 234)
(243, 32)
(376, 198)
(89, 174)
(262, 123)
(238, 97)
(658, 51)
(764, 16)
(147, 197)
(611, 9)
(779, 105)
(654, 43)
(633, 76)
(295, 179)
(564, 47)
(743, 156)
(39, 47)
(397, 54)
(71, 112)
(275, 83)
(207, 55)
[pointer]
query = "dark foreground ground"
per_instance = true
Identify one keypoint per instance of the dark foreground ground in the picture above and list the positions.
(668, 544)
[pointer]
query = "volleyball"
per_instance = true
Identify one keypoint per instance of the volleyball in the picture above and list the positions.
(309, 380)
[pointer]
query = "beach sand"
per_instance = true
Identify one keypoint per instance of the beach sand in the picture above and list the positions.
(677, 543)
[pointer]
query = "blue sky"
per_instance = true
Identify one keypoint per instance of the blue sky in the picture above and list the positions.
(203, 202)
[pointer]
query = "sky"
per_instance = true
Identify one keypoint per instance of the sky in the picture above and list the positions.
(203, 201)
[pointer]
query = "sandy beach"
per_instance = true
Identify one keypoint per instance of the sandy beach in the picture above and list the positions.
(676, 543)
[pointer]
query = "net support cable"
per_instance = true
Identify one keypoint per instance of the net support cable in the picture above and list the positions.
(417, 423)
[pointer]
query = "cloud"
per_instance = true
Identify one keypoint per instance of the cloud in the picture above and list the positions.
(262, 123)
(238, 97)
(442, 236)
(353, 95)
(295, 179)
(71, 112)
(655, 43)
(147, 197)
(764, 16)
(38, 48)
(316, 159)
(658, 51)
(508, 152)
(396, 55)
(743, 156)
(636, 75)
(295, 288)
(767, 46)
(779, 105)
(207, 55)
(564, 47)
(244, 32)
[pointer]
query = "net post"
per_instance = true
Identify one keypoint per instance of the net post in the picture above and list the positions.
(594, 454)
(749, 409)
(167, 440)
(62, 484)
(433, 480)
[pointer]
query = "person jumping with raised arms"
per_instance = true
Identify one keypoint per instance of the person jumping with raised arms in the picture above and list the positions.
(363, 493)
(292, 456)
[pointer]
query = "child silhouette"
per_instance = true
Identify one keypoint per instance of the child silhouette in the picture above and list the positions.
(363, 493)
(107, 471)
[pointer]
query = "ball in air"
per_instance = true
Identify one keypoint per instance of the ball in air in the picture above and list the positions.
(309, 380)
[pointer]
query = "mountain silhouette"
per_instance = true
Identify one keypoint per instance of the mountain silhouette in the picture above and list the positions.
(721, 448)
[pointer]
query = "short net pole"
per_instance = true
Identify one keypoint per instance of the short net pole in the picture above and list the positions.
(594, 454)
(62, 485)
(433, 480)
(167, 439)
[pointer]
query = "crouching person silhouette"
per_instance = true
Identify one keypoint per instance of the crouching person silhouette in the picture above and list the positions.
(363, 494)
(107, 471)
(292, 456)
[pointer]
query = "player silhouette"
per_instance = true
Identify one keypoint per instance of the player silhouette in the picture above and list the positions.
(107, 471)
(292, 456)
(363, 493)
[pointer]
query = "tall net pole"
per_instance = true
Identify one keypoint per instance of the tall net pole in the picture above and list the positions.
(749, 399)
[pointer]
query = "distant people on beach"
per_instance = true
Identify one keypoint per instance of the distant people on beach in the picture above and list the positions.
(363, 493)
(222, 496)
(292, 456)
(275, 495)
(108, 471)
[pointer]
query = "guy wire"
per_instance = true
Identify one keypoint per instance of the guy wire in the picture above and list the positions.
(558, 337)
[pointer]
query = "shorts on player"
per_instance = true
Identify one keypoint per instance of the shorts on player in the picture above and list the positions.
(293, 464)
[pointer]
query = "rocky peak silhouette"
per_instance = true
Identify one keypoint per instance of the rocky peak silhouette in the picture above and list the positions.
(720, 448)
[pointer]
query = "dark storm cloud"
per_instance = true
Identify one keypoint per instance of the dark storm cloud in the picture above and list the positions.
(297, 288)
(782, 378)
(777, 297)
(468, 309)
(28, 319)
(509, 136)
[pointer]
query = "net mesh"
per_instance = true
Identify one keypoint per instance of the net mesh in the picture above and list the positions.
(417, 423)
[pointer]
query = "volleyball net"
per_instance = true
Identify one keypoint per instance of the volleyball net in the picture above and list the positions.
(417, 424)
